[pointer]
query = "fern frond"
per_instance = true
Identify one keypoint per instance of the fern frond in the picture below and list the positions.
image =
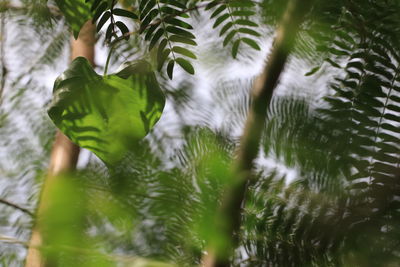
(237, 27)
(162, 24)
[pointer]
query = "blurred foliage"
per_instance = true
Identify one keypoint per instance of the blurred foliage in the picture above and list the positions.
(326, 186)
(76, 13)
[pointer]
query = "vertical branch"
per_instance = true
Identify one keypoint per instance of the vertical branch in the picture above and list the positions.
(64, 155)
(3, 67)
(229, 219)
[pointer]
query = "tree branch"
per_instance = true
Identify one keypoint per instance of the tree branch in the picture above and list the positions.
(229, 219)
(3, 67)
(15, 206)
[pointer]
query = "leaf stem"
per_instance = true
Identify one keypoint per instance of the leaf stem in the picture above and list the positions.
(108, 59)
(15, 206)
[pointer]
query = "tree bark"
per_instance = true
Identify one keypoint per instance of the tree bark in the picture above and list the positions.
(64, 154)
(229, 218)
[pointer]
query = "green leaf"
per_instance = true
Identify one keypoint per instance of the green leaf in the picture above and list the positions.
(103, 20)
(225, 28)
(218, 11)
(173, 3)
(229, 37)
(235, 48)
(246, 22)
(186, 65)
(180, 32)
(102, 7)
(170, 69)
(107, 115)
(76, 13)
(109, 31)
(150, 31)
(155, 38)
(253, 44)
(184, 51)
(242, 13)
(249, 31)
(94, 5)
(162, 56)
(179, 23)
(221, 19)
(124, 13)
(180, 39)
(123, 28)
(314, 70)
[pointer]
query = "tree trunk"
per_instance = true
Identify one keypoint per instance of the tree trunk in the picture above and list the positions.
(64, 154)
(263, 88)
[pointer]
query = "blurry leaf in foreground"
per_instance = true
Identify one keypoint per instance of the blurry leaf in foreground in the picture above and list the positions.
(63, 223)
(107, 115)
(76, 12)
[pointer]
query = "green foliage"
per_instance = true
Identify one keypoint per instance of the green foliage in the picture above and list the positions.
(349, 141)
(234, 17)
(160, 200)
(161, 22)
(107, 115)
(104, 11)
(77, 13)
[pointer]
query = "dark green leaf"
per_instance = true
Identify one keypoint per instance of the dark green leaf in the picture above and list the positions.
(162, 57)
(183, 51)
(109, 31)
(123, 29)
(251, 43)
(95, 5)
(103, 20)
(180, 31)
(170, 69)
(99, 11)
(311, 72)
(220, 19)
(186, 65)
(180, 39)
(218, 11)
(225, 28)
(124, 13)
(155, 38)
(229, 37)
(235, 48)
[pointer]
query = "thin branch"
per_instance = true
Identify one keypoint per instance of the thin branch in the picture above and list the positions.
(15, 206)
(229, 220)
(3, 67)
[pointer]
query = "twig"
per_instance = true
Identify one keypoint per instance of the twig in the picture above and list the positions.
(15, 206)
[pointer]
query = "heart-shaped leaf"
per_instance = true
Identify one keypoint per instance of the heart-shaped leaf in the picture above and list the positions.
(107, 115)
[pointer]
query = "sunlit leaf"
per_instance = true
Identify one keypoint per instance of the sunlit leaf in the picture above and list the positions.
(107, 115)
